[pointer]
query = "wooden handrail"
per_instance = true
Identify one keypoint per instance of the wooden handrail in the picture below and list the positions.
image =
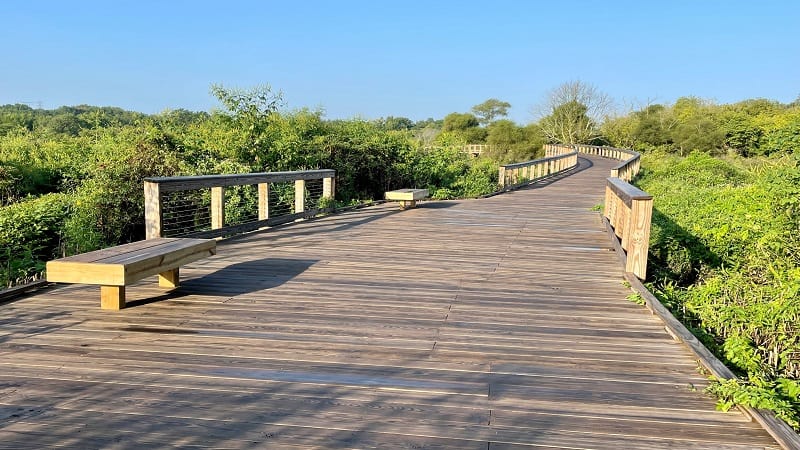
(156, 188)
(171, 184)
(626, 170)
(628, 209)
(518, 174)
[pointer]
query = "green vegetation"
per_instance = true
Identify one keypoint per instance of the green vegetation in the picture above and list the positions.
(725, 253)
(748, 128)
(725, 240)
(71, 178)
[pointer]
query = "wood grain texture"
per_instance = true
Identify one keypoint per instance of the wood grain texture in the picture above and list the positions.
(492, 323)
(125, 264)
(407, 194)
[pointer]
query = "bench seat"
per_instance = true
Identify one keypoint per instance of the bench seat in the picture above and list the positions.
(407, 197)
(116, 267)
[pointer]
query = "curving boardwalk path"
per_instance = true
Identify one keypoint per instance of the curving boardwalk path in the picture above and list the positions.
(499, 323)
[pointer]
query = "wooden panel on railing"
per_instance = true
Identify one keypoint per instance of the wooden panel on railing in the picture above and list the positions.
(511, 175)
(217, 207)
(328, 187)
(153, 213)
(263, 201)
(299, 195)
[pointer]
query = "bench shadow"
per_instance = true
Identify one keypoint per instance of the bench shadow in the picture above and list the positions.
(236, 279)
(438, 204)
(248, 276)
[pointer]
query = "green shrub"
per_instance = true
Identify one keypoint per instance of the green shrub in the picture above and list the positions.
(725, 256)
(31, 233)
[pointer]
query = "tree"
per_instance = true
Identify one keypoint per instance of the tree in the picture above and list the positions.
(395, 123)
(251, 110)
(466, 126)
(571, 113)
(511, 143)
(487, 111)
(459, 122)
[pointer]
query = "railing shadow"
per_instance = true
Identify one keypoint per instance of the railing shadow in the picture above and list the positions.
(246, 277)
(328, 224)
(676, 254)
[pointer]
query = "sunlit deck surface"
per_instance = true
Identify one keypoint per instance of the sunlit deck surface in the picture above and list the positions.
(496, 323)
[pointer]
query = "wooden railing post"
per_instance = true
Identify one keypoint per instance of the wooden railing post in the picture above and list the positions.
(329, 187)
(217, 207)
(501, 177)
(263, 201)
(638, 236)
(629, 211)
(299, 196)
(153, 212)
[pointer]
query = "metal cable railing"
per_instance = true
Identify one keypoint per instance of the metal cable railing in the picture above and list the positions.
(220, 205)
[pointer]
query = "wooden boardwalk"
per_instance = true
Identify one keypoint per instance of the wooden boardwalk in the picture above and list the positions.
(499, 323)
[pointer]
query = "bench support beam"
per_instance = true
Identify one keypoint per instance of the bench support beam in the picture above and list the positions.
(112, 297)
(170, 278)
(406, 204)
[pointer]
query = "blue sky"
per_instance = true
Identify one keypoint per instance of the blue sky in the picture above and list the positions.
(378, 58)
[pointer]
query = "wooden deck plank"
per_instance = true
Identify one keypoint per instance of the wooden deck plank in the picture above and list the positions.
(493, 323)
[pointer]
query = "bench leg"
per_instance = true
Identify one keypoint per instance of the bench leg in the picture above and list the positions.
(169, 279)
(407, 204)
(112, 297)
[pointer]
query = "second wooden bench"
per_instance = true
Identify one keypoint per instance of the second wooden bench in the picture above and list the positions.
(407, 197)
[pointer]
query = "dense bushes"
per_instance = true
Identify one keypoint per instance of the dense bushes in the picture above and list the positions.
(98, 167)
(31, 232)
(726, 257)
(748, 128)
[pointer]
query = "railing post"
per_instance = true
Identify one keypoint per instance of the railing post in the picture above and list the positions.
(329, 187)
(638, 236)
(263, 201)
(501, 177)
(299, 196)
(608, 204)
(217, 207)
(153, 212)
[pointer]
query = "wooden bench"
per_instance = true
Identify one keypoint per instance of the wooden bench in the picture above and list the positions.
(116, 267)
(407, 197)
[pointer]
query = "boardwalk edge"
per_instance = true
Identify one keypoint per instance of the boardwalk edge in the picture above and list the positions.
(783, 434)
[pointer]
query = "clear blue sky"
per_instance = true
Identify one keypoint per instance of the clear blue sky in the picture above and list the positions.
(404, 58)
